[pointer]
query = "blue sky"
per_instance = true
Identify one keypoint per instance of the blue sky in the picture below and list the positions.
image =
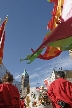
(26, 29)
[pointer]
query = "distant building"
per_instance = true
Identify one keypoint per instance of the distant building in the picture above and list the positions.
(24, 83)
(70, 53)
(68, 74)
(25, 79)
(52, 77)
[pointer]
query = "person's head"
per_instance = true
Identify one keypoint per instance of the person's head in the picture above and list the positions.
(8, 78)
(60, 74)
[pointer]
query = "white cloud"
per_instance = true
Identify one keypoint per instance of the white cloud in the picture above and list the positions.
(39, 68)
(33, 76)
(17, 77)
(33, 83)
(65, 63)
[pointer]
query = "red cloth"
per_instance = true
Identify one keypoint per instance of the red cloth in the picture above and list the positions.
(62, 31)
(22, 102)
(60, 89)
(50, 53)
(53, 104)
(2, 46)
(9, 96)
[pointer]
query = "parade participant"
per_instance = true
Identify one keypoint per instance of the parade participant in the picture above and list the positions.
(45, 98)
(22, 102)
(9, 95)
(60, 91)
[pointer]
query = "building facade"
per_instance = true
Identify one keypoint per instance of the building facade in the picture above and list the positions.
(70, 53)
(68, 74)
(24, 83)
(52, 77)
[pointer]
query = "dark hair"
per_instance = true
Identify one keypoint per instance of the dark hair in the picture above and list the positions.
(61, 74)
(8, 77)
(0, 81)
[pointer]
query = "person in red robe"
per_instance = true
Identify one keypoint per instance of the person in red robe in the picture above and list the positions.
(9, 94)
(60, 92)
(22, 103)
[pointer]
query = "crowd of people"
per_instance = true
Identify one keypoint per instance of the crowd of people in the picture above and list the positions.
(59, 92)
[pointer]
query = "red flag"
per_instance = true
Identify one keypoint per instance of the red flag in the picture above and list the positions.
(2, 38)
(2, 28)
(62, 31)
(50, 53)
(2, 45)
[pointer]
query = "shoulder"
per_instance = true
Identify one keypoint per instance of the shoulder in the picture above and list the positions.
(15, 88)
(51, 85)
(55, 81)
(65, 82)
(70, 83)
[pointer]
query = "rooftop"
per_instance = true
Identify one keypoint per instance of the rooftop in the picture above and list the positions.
(25, 73)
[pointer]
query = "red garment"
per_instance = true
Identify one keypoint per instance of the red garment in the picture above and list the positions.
(9, 96)
(53, 104)
(22, 102)
(61, 89)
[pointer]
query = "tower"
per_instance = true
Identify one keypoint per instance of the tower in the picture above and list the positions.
(24, 83)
